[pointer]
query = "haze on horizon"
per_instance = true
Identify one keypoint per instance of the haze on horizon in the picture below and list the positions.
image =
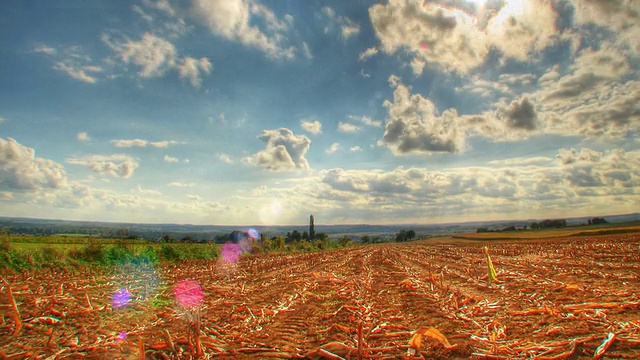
(262, 112)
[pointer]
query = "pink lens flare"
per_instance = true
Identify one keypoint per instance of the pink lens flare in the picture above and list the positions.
(121, 336)
(230, 252)
(120, 298)
(189, 293)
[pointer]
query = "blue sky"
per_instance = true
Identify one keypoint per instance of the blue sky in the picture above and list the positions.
(263, 112)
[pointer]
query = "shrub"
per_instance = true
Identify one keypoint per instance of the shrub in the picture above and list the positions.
(117, 254)
(169, 252)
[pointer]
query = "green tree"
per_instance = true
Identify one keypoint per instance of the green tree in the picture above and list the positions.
(278, 242)
(365, 239)
(410, 235)
(401, 236)
(344, 241)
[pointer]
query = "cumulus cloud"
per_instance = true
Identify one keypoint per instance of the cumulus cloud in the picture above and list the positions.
(284, 151)
(369, 52)
(130, 143)
(626, 15)
(456, 40)
(522, 27)
(523, 183)
(367, 121)
(347, 127)
(170, 159)
(225, 158)
(83, 136)
(520, 114)
(312, 126)
(156, 55)
(233, 19)
(413, 125)
(180, 184)
(191, 69)
(333, 148)
(118, 165)
(355, 148)
(591, 99)
(20, 169)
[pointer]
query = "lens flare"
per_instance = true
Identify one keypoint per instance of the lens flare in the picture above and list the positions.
(253, 233)
(122, 336)
(120, 298)
(230, 252)
(188, 293)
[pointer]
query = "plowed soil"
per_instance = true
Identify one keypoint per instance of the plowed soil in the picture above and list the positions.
(554, 298)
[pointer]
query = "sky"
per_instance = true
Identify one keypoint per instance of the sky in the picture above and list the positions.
(247, 112)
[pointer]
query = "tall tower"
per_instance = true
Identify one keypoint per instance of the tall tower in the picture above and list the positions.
(312, 228)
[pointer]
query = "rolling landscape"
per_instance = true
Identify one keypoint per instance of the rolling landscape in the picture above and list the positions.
(283, 179)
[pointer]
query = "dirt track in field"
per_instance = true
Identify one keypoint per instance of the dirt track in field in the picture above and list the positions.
(558, 298)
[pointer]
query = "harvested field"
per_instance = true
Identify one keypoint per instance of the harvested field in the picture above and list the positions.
(562, 298)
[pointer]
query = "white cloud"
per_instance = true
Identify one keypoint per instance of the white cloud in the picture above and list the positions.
(118, 165)
(156, 55)
(520, 114)
(191, 68)
(20, 169)
(348, 28)
(232, 20)
(431, 33)
(225, 158)
(71, 61)
(83, 136)
(129, 143)
(590, 99)
(521, 161)
(347, 127)
(368, 53)
(484, 88)
(333, 148)
(312, 126)
(350, 31)
(80, 74)
(414, 127)
(152, 53)
(622, 17)
(180, 184)
(284, 151)
(306, 51)
(45, 49)
(522, 27)
(518, 187)
(161, 5)
(170, 159)
(458, 41)
(355, 149)
(162, 144)
(365, 120)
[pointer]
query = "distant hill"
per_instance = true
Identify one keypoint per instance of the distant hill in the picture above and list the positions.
(17, 225)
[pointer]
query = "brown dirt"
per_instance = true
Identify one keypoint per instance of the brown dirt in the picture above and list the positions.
(555, 298)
